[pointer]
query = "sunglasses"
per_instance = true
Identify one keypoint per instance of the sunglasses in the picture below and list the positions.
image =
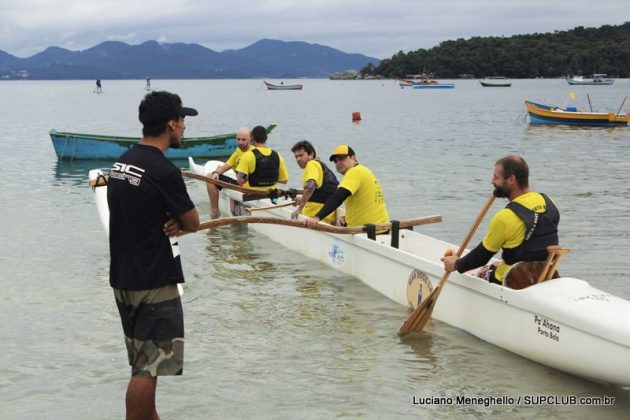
(339, 158)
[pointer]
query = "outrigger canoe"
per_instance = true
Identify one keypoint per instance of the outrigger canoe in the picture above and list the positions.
(70, 146)
(563, 323)
(544, 114)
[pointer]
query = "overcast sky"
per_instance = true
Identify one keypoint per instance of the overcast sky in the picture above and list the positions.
(377, 28)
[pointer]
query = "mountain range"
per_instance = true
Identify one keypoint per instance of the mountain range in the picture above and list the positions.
(266, 58)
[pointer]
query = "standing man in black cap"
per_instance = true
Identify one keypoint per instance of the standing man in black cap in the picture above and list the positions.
(148, 207)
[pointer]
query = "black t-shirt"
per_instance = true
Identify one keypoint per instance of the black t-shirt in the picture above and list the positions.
(143, 188)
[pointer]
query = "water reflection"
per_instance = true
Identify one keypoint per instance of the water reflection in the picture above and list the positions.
(75, 173)
(235, 255)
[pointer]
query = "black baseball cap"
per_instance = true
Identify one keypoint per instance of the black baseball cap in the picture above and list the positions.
(160, 107)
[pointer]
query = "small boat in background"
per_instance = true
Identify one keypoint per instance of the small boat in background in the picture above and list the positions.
(70, 146)
(423, 81)
(544, 114)
(404, 82)
(596, 79)
(282, 86)
(496, 81)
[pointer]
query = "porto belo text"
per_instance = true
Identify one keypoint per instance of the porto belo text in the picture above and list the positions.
(547, 328)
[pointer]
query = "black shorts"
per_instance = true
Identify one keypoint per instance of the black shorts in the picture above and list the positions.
(153, 324)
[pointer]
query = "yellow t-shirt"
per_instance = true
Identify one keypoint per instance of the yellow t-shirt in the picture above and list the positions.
(507, 230)
(314, 171)
(247, 165)
(366, 205)
(235, 158)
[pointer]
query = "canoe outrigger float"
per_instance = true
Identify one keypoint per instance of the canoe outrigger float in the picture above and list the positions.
(563, 323)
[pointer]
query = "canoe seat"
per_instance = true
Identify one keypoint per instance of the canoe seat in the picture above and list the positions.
(526, 273)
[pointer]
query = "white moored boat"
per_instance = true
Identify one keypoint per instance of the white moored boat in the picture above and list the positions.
(563, 323)
(496, 81)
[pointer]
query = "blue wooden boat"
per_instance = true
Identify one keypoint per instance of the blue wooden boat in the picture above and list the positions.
(435, 85)
(70, 146)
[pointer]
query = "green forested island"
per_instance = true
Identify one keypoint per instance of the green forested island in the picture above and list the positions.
(577, 51)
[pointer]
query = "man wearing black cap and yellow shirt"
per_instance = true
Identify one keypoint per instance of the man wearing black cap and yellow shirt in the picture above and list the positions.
(359, 190)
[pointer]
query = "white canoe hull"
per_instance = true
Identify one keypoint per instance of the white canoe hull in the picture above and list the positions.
(563, 323)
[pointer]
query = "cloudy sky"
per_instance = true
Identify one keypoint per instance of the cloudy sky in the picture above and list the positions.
(377, 28)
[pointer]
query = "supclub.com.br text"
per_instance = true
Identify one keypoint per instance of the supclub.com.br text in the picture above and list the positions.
(527, 400)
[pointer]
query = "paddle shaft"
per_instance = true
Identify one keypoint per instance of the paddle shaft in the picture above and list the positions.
(419, 317)
(253, 209)
(233, 187)
(322, 227)
(103, 181)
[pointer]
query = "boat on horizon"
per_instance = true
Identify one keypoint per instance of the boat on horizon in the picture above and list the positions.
(282, 86)
(422, 81)
(553, 115)
(71, 146)
(595, 80)
(496, 81)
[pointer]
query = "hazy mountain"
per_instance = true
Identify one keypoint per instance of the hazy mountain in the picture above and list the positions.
(118, 60)
(299, 58)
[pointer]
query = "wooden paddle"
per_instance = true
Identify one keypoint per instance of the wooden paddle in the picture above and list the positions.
(419, 317)
(235, 187)
(322, 227)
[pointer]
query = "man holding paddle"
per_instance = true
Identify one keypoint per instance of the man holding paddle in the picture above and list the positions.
(319, 182)
(243, 144)
(523, 229)
(148, 207)
(359, 190)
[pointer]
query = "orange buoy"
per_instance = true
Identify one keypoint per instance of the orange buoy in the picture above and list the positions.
(356, 116)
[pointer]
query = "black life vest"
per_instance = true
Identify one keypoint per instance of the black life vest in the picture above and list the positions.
(541, 231)
(267, 169)
(329, 185)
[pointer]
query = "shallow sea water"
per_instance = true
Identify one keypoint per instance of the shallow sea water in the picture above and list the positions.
(271, 334)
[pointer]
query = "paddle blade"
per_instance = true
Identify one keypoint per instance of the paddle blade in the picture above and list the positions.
(418, 319)
(420, 316)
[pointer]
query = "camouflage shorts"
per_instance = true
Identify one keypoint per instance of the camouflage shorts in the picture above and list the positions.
(153, 324)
